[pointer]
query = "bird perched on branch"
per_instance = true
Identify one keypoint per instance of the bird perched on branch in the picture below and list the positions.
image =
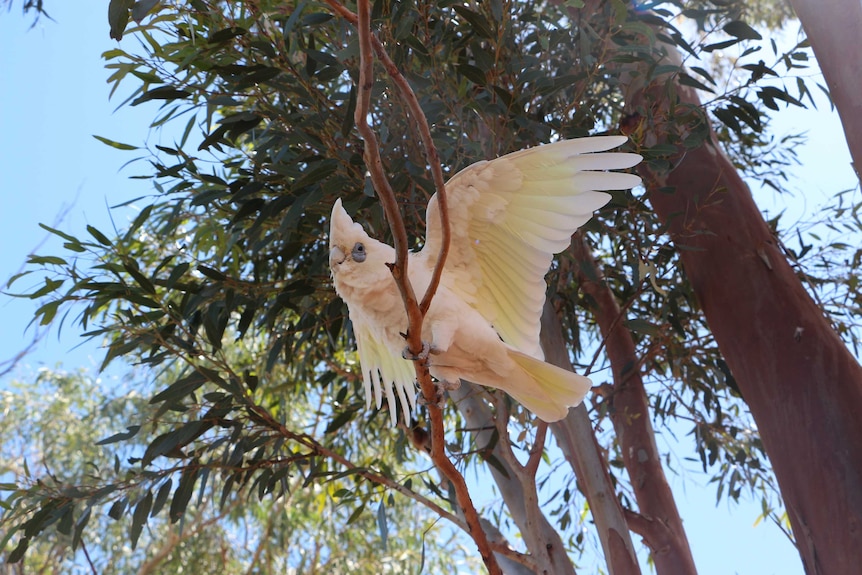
(508, 217)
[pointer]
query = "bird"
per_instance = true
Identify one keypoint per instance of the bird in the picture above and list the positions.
(508, 217)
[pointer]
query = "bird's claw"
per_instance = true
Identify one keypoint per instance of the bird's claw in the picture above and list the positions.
(421, 356)
(440, 389)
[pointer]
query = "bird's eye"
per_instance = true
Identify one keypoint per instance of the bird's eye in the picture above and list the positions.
(358, 253)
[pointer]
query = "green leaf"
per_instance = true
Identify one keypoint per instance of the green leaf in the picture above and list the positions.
(48, 311)
(46, 260)
(18, 553)
(382, 524)
(183, 494)
(139, 517)
(118, 508)
(50, 286)
(356, 513)
(642, 326)
(180, 388)
(720, 45)
(741, 30)
(687, 80)
(161, 497)
(114, 144)
(100, 237)
(472, 73)
(226, 34)
(211, 273)
(131, 267)
(130, 432)
(477, 22)
(141, 8)
(63, 235)
(118, 17)
(162, 93)
(340, 420)
(176, 274)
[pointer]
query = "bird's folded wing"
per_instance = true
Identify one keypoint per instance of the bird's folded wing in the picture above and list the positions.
(382, 372)
(509, 216)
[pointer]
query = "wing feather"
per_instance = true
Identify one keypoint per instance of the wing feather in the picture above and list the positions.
(510, 215)
(383, 373)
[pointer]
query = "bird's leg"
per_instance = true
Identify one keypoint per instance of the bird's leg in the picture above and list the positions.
(421, 356)
(441, 386)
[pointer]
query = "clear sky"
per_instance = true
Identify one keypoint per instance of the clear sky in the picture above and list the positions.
(54, 97)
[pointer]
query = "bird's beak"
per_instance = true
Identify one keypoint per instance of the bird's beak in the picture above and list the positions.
(336, 257)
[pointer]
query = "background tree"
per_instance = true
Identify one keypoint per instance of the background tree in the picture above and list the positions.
(219, 286)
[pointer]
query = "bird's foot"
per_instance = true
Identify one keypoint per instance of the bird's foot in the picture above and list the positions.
(440, 389)
(427, 349)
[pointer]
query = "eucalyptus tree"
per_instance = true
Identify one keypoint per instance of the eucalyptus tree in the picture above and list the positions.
(219, 287)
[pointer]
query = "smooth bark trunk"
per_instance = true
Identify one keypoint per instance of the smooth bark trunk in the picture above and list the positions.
(803, 386)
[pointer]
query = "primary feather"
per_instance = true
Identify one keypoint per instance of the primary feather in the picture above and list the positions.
(508, 217)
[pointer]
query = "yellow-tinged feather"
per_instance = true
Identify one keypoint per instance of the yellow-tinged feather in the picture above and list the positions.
(558, 389)
(508, 217)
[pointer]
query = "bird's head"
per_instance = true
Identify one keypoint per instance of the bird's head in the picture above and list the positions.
(356, 260)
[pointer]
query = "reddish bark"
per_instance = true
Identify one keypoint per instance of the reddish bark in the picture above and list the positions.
(659, 523)
(803, 386)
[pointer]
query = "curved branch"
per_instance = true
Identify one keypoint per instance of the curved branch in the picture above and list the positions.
(415, 313)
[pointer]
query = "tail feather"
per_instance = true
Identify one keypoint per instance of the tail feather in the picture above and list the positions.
(546, 390)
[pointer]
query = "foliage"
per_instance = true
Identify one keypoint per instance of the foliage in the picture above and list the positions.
(219, 287)
(60, 458)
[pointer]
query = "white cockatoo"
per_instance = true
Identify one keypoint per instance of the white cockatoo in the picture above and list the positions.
(508, 217)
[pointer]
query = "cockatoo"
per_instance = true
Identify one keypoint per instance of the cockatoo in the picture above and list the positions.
(508, 217)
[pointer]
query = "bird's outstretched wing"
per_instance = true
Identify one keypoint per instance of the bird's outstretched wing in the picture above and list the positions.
(509, 216)
(382, 372)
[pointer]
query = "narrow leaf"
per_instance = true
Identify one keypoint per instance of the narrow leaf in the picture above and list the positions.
(132, 430)
(113, 144)
(739, 29)
(382, 524)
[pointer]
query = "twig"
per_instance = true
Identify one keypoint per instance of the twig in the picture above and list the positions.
(87, 556)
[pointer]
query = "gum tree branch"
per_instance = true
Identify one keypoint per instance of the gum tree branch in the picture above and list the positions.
(432, 156)
(577, 440)
(399, 269)
(516, 483)
(632, 422)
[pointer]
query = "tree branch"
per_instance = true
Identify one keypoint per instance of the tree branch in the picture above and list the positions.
(631, 419)
(415, 313)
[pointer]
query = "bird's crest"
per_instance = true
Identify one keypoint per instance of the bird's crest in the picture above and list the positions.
(342, 228)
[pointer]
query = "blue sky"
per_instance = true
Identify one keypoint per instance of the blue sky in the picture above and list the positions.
(54, 97)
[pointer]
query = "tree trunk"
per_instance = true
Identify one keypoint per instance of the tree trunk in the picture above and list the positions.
(833, 28)
(517, 488)
(803, 386)
(658, 521)
(577, 441)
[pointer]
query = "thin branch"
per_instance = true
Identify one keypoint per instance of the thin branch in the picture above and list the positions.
(87, 556)
(267, 419)
(368, 44)
(431, 153)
